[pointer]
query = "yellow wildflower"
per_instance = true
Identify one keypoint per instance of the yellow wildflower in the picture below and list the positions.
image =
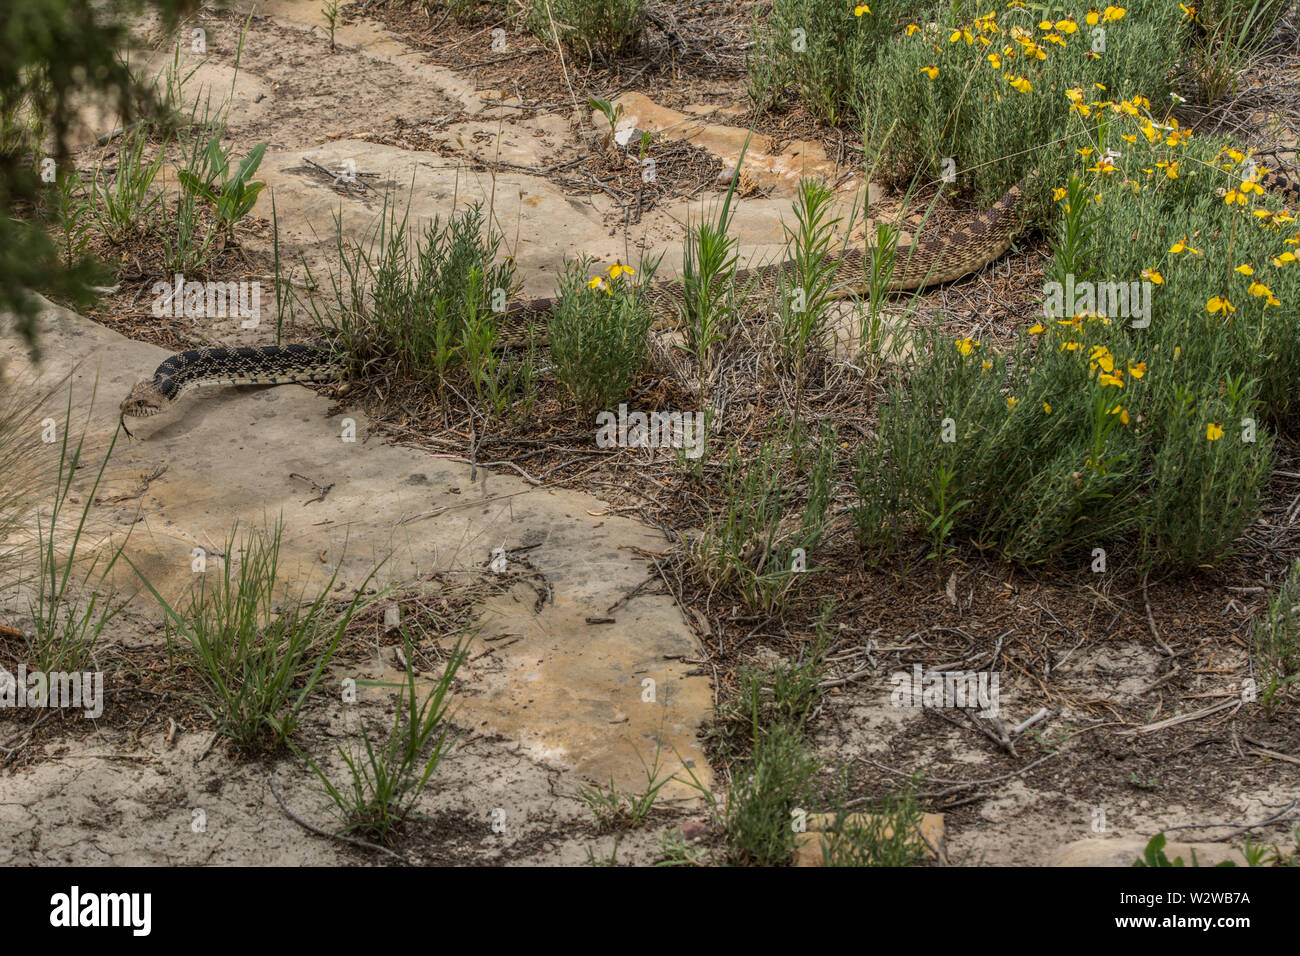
(1100, 356)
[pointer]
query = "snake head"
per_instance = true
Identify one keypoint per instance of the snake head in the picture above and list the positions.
(144, 400)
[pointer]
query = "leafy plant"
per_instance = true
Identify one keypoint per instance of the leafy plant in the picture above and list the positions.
(709, 293)
(386, 777)
(601, 29)
(760, 541)
(73, 211)
(614, 810)
(598, 333)
(1225, 36)
(258, 652)
(807, 281)
(52, 51)
(125, 204)
(612, 112)
(188, 241)
(817, 50)
(784, 692)
(764, 792)
(429, 307)
(330, 10)
(1276, 638)
(884, 835)
(231, 196)
(1154, 855)
(74, 598)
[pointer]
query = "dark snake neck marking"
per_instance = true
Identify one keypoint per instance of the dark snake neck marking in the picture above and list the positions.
(1276, 182)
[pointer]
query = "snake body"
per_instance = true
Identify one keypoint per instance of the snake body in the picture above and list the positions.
(930, 261)
(267, 365)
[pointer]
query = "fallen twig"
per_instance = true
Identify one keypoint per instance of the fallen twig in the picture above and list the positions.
(1240, 828)
(325, 833)
(1172, 721)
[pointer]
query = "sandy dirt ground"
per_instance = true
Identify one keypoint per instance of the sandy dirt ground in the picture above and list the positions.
(582, 669)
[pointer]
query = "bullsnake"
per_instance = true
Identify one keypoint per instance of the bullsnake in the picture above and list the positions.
(934, 260)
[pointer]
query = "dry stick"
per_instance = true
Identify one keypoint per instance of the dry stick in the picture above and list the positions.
(1023, 725)
(486, 29)
(325, 833)
(26, 735)
(1152, 621)
(464, 504)
(1275, 755)
(534, 170)
(508, 56)
(856, 675)
(321, 491)
(961, 786)
(488, 464)
(940, 858)
(338, 177)
(1240, 828)
(1002, 741)
(1172, 721)
(559, 49)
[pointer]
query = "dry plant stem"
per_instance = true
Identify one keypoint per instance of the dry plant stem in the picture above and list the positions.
(353, 841)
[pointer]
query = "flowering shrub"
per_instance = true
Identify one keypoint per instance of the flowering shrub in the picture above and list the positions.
(1142, 429)
(598, 333)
